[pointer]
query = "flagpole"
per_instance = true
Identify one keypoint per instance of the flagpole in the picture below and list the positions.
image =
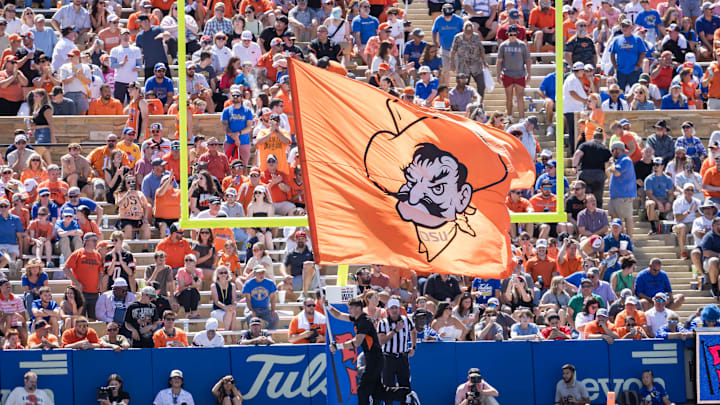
(331, 341)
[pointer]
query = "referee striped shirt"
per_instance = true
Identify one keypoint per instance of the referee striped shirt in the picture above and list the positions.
(399, 342)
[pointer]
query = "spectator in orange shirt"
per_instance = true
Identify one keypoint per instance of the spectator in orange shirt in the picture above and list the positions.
(297, 188)
(42, 338)
(630, 310)
(631, 330)
(601, 327)
(154, 105)
(245, 192)
(568, 260)
(81, 337)
(541, 265)
(144, 8)
(58, 188)
(515, 202)
(236, 178)
(279, 186)
(169, 335)
(106, 104)
(308, 326)
(273, 141)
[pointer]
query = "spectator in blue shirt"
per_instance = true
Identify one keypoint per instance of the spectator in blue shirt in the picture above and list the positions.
(659, 193)
(550, 174)
(652, 21)
(364, 26)
(260, 293)
(627, 53)
(414, 49)
(652, 281)
(652, 393)
(237, 121)
(674, 100)
(11, 235)
(547, 92)
(623, 186)
(74, 201)
(674, 329)
(710, 248)
(705, 27)
(69, 235)
(162, 85)
(485, 288)
(694, 148)
(444, 29)
(426, 88)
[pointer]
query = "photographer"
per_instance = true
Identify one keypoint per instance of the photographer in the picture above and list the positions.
(308, 326)
(475, 391)
(569, 390)
(226, 393)
(112, 393)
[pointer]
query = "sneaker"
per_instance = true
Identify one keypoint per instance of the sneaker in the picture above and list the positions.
(49, 265)
(412, 398)
(301, 298)
(684, 255)
(550, 131)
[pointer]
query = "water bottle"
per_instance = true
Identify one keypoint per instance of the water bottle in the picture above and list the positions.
(531, 106)
(540, 281)
(186, 327)
(412, 82)
(105, 222)
(62, 261)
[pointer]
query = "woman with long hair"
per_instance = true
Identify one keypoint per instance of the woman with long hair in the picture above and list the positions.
(223, 298)
(132, 211)
(36, 169)
(43, 125)
(448, 328)
(671, 16)
(555, 297)
(238, 26)
(32, 280)
(226, 393)
(201, 190)
(260, 257)
(497, 120)
(260, 206)
(589, 310)
(229, 74)
(466, 313)
(204, 248)
(624, 278)
(12, 81)
(72, 307)
(431, 58)
(687, 29)
(595, 118)
(114, 174)
(601, 35)
(519, 294)
(117, 394)
(98, 15)
(27, 18)
(372, 307)
(640, 101)
(189, 282)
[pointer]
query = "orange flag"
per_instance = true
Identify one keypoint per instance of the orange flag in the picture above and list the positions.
(392, 183)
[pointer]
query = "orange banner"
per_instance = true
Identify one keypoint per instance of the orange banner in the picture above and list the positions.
(392, 183)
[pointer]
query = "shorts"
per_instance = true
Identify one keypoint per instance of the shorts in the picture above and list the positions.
(549, 39)
(218, 314)
(11, 249)
(663, 200)
(80, 99)
(167, 222)
(42, 135)
(621, 207)
(297, 282)
(434, 7)
(98, 184)
(508, 81)
(481, 21)
(552, 234)
(123, 222)
(81, 182)
(447, 63)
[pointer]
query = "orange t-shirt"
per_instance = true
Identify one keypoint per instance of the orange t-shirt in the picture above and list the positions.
(570, 265)
(58, 190)
(259, 5)
(86, 267)
(110, 39)
(296, 192)
(41, 230)
(245, 193)
(161, 338)
(222, 235)
(266, 61)
(90, 226)
(521, 206)
(398, 277)
(162, 4)
(287, 109)
(294, 330)
(167, 205)
(544, 268)
(232, 262)
(706, 165)
(627, 138)
(275, 146)
(39, 176)
(100, 158)
(175, 252)
(568, 29)
(155, 107)
(688, 89)
(540, 19)
(13, 92)
(234, 181)
(97, 107)
(34, 339)
(640, 319)
(276, 193)
(24, 216)
(70, 337)
(132, 207)
(712, 178)
(714, 85)
(134, 117)
(624, 330)
(592, 328)
(597, 115)
(539, 203)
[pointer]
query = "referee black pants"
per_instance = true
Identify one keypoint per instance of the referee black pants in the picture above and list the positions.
(371, 385)
(396, 369)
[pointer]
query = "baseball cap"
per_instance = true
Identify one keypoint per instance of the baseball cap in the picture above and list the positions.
(255, 321)
(175, 227)
(625, 292)
(541, 243)
(276, 42)
(514, 14)
(384, 66)
(631, 300)
(596, 242)
(20, 137)
(74, 52)
(156, 126)
(174, 373)
(44, 191)
(447, 6)
(258, 267)
(150, 292)
(246, 35)
(616, 221)
(707, 6)
(271, 157)
(424, 69)
(494, 301)
(546, 153)
(159, 66)
(211, 324)
(533, 120)
(602, 312)
(214, 201)
(675, 85)
(624, 122)
(120, 282)
(41, 324)
(674, 27)
(657, 160)
(512, 28)
(418, 32)
(384, 26)
(89, 235)
(231, 191)
(551, 163)
(158, 162)
(586, 281)
(626, 23)
(687, 124)
(393, 302)
(128, 130)
(74, 191)
(661, 295)
(68, 212)
(644, 77)
(113, 18)
(618, 145)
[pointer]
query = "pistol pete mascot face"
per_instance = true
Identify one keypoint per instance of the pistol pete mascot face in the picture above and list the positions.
(433, 188)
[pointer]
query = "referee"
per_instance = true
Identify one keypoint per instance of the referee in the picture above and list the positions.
(365, 335)
(397, 336)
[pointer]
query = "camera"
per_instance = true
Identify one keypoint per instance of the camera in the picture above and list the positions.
(473, 394)
(104, 393)
(313, 335)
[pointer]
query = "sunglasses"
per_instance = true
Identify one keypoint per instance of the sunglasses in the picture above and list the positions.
(81, 325)
(212, 144)
(204, 232)
(155, 131)
(223, 272)
(113, 329)
(189, 260)
(34, 160)
(257, 175)
(512, 35)
(258, 193)
(310, 305)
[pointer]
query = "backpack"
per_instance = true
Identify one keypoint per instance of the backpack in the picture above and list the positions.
(628, 398)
